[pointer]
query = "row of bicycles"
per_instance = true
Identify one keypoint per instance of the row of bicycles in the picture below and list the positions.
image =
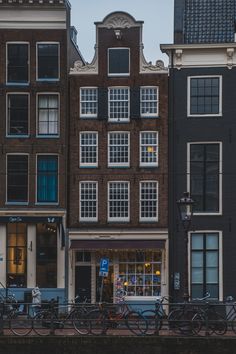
(199, 317)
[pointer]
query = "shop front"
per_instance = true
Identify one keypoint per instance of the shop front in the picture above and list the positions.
(32, 253)
(138, 267)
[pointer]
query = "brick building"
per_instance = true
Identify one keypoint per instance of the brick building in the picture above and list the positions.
(118, 181)
(34, 42)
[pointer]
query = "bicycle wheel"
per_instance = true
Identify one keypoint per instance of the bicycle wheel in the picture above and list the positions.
(154, 322)
(180, 321)
(198, 321)
(233, 324)
(43, 322)
(136, 323)
(217, 324)
(97, 322)
(20, 325)
(80, 321)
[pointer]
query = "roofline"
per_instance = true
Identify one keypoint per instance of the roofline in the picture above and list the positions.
(165, 48)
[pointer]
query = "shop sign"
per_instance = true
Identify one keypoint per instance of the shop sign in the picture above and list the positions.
(104, 266)
(177, 281)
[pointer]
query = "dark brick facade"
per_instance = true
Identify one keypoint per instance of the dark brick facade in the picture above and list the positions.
(33, 145)
(102, 174)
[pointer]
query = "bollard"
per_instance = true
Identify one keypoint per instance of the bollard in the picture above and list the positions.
(52, 327)
(1, 318)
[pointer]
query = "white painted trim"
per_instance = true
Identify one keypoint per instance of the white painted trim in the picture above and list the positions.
(118, 220)
(219, 232)
(82, 164)
(12, 136)
(149, 115)
(17, 83)
(88, 116)
(148, 164)
(118, 120)
(59, 62)
(151, 220)
(220, 96)
(119, 234)
(88, 219)
(117, 74)
(121, 164)
(48, 136)
(220, 175)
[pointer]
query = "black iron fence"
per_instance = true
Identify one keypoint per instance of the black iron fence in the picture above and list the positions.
(196, 318)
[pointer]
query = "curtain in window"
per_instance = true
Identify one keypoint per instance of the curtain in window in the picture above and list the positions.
(47, 179)
(48, 115)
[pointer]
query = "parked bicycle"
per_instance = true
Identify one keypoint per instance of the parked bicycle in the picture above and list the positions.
(208, 319)
(75, 316)
(116, 316)
(230, 316)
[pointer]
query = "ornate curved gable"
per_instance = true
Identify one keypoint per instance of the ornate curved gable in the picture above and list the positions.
(119, 20)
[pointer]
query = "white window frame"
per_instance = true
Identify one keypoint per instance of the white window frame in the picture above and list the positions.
(148, 164)
(17, 83)
(219, 232)
(17, 203)
(142, 102)
(117, 74)
(118, 120)
(88, 219)
(148, 219)
(59, 64)
(48, 136)
(121, 219)
(89, 115)
(220, 174)
(58, 180)
(189, 96)
(7, 120)
(88, 164)
(118, 164)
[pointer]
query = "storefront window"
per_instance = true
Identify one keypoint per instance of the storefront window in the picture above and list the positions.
(46, 259)
(140, 272)
(16, 255)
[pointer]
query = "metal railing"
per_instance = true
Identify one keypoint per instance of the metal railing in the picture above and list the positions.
(196, 318)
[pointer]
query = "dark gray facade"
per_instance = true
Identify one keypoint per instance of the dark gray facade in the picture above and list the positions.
(201, 146)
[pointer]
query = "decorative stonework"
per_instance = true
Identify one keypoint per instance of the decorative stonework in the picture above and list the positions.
(119, 20)
(230, 56)
(81, 68)
(148, 67)
(178, 55)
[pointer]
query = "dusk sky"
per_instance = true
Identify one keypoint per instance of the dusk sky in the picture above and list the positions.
(156, 14)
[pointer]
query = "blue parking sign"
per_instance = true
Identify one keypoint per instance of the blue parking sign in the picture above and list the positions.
(104, 266)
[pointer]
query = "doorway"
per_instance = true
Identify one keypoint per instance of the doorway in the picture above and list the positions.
(83, 283)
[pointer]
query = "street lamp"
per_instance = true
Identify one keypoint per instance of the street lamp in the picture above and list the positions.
(185, 208)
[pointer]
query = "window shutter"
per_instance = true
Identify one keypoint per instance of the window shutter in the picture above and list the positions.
(135, 103)
(102, 103)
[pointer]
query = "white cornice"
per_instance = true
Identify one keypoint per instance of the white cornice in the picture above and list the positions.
(121, 234)
(201, 55)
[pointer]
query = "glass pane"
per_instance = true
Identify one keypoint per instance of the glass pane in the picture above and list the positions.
(212, 259)
(197, 291)
(197, 275)
(197, 241)
(212, 241)
(212, 275)
(197, 259)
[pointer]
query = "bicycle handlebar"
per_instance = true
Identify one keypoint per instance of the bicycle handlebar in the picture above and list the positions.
(204, 298)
